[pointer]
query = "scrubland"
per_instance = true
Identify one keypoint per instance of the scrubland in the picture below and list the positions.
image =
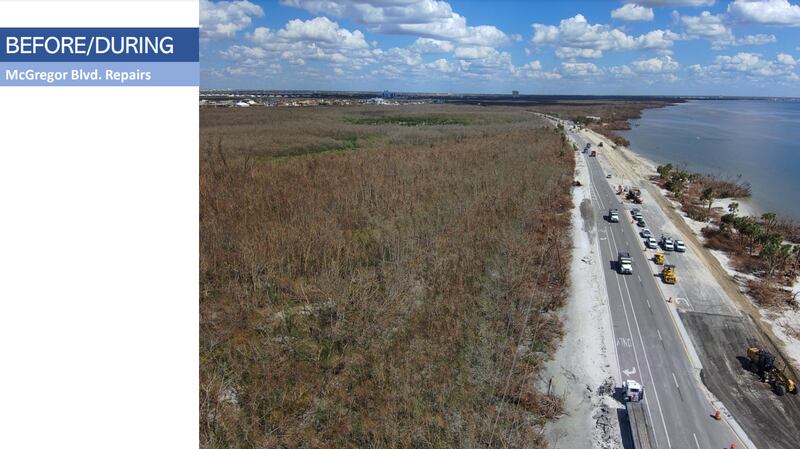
(614, 115)
(379, 276)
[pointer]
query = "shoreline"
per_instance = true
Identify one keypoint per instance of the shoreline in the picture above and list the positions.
(748, 205)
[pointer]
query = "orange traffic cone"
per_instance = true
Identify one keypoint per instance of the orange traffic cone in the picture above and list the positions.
(733, 445)
(717, 415)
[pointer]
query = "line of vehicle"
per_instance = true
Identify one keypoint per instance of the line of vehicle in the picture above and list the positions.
(630, 332)
(644, 352)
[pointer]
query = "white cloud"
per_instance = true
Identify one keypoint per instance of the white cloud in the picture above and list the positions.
(708, 26)
(757, 39)
(622, 71)
(573, 53)
(318, 39)
(771, 12)
(424, 18)
(714, 28)
(473, 52)
(786, 59)
(754, 65)
(662, 64)
(580, 69)
(659, 3)
(533, 69)
(428, 45)
(633, 12)
(322, 30)
(576, 32)
(441, 65)
(222, 20)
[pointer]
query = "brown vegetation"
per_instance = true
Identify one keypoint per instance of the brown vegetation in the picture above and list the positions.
(614, 115)
(697, 192)
(398, 292)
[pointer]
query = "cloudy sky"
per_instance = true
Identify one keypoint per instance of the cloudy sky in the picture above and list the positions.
(681, 47)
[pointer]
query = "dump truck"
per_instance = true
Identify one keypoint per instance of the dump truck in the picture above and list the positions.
(668, 274)
(659, 258)
(641, 431)
(625, 263)
(762, 362)
(635, 195)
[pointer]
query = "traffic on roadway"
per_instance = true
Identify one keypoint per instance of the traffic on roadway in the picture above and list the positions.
(648, 345)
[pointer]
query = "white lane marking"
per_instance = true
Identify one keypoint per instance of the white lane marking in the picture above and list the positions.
(644, 352)
(695, 440)
(649, 306)
(635, 352)
(592, 191)
(675, 379)
(630, 372)
(659, 335)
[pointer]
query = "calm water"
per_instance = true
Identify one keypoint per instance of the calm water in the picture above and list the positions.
(755, 138)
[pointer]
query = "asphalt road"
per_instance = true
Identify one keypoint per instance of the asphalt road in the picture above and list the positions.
(649, 349)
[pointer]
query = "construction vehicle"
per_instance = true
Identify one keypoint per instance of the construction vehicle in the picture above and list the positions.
(641, 431)
(635, 195)
(668, 274)
(659, 258)
(763, 363)
(625, 263)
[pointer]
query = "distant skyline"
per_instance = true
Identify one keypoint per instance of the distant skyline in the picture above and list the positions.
(645, 47)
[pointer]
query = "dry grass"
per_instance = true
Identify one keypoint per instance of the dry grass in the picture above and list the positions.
(769, 295)
(398, 293)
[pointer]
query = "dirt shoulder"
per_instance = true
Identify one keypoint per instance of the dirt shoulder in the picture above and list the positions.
(583, 370)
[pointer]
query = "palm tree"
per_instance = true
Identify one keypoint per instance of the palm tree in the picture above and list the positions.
(708, 197)
(769, 220)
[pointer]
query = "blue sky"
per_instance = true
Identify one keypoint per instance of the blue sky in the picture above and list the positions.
(643, 47)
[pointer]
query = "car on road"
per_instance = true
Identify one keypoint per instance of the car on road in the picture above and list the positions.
(613, 215)
(680, 246)
(645, 233)
(608, 176)
(668, 244)
(640, 222)
(624, 263)
(651, 243)
(636, 214)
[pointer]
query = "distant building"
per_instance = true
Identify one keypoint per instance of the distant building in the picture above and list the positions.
(387, 94)
(515, 93)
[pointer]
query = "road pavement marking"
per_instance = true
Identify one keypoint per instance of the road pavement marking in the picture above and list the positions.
(641, 342)
(659, 335)
(676, 380)
(695, 440)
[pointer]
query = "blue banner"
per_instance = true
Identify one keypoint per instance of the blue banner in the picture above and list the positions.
(99, 45)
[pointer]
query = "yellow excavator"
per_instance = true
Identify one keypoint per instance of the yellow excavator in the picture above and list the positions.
(668, 274)
(659, 258)
(763, 363)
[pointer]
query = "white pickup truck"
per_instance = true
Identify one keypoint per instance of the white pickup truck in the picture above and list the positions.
(625, 263)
